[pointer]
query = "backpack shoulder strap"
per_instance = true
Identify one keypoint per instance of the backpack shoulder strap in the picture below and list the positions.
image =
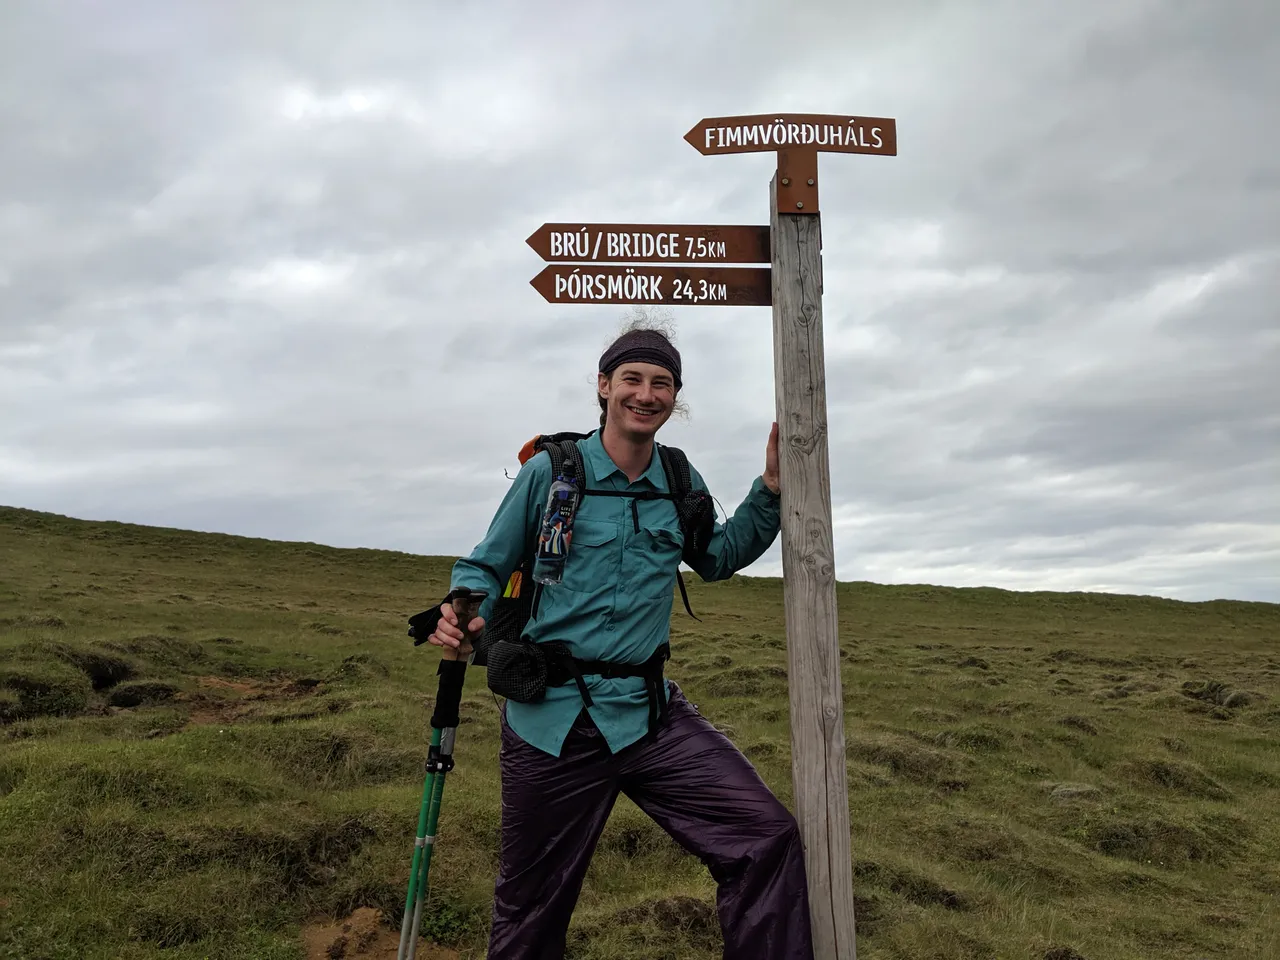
(561, 447)
(679, 483)
(555, 450)
(564, 450)
(542, 440)
(676, 465)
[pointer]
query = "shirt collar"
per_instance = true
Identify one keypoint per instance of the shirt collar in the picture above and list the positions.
(603, 467)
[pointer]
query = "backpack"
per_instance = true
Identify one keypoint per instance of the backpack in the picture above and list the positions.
(694, 511)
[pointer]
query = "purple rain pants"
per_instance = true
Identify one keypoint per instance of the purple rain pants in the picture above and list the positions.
(696, 785)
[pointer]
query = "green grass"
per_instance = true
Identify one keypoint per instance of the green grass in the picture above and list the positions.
(207, 741)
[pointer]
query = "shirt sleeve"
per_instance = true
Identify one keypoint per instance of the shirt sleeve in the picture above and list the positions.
(510, 533)
(744, 537)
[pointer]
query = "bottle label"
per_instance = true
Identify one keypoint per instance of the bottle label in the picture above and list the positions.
(557, 523)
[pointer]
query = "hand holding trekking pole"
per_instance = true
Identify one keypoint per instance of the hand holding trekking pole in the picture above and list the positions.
(449, 633)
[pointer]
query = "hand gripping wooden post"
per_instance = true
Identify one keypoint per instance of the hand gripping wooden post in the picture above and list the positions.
(808, 554)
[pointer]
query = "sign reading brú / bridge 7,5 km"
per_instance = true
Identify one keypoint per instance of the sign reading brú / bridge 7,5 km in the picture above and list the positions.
(650, 243)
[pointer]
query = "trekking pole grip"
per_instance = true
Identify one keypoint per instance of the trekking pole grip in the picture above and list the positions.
(453, 663)
(466, 604)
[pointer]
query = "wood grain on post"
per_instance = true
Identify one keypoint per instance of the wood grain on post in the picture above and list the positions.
(809, 586)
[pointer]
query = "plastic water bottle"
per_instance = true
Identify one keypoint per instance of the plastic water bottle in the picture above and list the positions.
(557, 531)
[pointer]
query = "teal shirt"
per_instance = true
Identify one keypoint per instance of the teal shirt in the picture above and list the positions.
(614, 602)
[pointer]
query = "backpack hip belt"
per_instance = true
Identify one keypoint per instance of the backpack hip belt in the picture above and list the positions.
(651, 671)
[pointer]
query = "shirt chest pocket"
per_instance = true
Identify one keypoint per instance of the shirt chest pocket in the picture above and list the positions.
(592, 561)
(652, 557)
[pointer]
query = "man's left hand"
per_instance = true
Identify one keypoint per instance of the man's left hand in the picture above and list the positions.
(770, 476)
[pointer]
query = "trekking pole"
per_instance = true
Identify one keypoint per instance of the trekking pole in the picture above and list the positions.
(444, 724)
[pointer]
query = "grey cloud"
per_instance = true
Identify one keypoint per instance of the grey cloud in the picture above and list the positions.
(261, 263)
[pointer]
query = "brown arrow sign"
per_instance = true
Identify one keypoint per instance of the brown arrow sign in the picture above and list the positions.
(779, 131)
(674, 286)
(650, 243)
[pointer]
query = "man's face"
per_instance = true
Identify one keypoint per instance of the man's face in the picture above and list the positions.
(639, 397)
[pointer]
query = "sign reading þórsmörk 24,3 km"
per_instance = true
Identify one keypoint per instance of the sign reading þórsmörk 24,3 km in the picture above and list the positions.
(773, 131)
(674, 286)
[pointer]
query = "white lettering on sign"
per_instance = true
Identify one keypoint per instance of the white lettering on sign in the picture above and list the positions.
(701, 247)
(577, 244)
(643, 246)
(700, 292)
(783, 134)
(603, 286)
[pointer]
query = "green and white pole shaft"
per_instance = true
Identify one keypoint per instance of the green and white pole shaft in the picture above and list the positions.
(444, 728)
(409, 926)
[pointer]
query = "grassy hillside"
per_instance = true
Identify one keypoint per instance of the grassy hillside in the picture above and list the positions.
(208, 742)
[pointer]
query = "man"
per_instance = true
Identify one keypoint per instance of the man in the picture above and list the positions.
(563, 764)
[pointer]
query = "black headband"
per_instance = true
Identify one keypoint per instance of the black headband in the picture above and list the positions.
(642, 346)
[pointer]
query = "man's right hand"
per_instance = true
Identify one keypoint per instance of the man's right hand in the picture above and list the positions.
(449, 634)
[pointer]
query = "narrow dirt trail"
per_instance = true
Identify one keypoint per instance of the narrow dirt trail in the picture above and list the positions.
(362, 936)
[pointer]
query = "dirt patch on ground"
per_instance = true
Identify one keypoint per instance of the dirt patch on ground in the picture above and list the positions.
(226, 701)
(362, 935)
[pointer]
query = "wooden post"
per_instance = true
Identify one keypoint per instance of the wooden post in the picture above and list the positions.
(809, 587)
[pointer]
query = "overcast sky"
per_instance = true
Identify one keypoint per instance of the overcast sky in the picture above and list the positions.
(263, 269)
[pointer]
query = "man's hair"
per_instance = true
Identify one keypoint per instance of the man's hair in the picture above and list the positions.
(643, 319)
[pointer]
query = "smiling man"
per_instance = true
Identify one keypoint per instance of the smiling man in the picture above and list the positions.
(567, 755)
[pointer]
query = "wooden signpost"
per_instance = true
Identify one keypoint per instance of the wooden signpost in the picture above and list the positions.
(792, 284)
